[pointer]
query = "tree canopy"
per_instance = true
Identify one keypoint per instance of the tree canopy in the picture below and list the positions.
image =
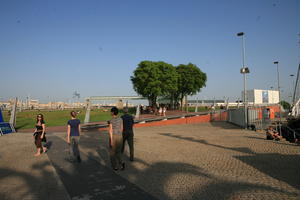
(153, 79)
(190, 80)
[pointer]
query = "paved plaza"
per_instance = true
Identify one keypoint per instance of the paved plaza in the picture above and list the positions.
(209, 161)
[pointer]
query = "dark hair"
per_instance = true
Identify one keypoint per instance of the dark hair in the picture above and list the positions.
(42, 118)
(114, 110)
(73, 113)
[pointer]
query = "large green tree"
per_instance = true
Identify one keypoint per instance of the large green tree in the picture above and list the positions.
(153, 79)
(190, 81)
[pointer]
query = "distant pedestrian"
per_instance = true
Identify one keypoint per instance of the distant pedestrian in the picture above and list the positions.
(116, 140)
(128, 122)
(40, 134)
(164, 110)
(272, 134)
(73, 137)
(160, 110)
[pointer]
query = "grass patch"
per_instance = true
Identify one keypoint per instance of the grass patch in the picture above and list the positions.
(27, 118)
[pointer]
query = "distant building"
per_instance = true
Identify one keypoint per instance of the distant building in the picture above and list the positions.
(257, 96)
(33, 104)
(207, 102)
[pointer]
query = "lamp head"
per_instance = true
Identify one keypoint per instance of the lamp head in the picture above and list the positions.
(245, 70)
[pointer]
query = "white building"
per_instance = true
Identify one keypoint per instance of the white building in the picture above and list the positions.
(257, 96)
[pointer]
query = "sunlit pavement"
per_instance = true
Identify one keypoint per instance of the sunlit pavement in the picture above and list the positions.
(200, 161)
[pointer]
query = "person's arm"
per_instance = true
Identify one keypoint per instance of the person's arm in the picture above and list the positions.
(132, 120)
(121, 126)
(43, 132)
(79, 129)
(69, 132)
(110, 135)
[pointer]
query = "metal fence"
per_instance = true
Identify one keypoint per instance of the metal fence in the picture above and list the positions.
(258, 117)
(236, 116)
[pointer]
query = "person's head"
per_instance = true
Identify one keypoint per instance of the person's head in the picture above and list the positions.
(114, 111)
(73, 114)
(40, 118)
(125, 110)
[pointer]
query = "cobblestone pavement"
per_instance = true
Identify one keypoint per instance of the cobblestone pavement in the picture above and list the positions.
(209, 161)
(89, 179)
(25, 177)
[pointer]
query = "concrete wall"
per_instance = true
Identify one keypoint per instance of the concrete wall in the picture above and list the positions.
(187, 120)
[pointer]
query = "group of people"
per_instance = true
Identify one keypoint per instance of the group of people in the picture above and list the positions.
(162, 111)
(120, 131)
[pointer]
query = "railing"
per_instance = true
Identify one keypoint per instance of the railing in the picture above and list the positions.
(220, 115)
(258, 117)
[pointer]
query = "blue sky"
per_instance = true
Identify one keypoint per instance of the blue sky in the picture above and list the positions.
(49, 49)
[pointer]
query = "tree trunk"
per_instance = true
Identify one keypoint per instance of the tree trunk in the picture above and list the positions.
(181, 102)
(152, 101)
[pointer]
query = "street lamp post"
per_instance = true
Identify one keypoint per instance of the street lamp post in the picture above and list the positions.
(292, 77)
(272, 94)
(244, 70)
(277, 63)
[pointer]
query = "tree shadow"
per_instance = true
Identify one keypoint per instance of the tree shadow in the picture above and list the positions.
(44, 186)
(224, 125)
(281, 167)
(154, 178)
(226, 189)
(253, 137)
(274, 141)
(90, 179)
(191, 139)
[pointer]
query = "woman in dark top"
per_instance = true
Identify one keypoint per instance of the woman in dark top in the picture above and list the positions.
(73, 137)
(39, 134)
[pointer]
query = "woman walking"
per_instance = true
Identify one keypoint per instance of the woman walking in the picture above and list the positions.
(39, 134)
(73, 137)
(116, 140)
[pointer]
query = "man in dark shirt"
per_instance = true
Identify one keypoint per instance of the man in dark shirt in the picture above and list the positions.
(128, 132)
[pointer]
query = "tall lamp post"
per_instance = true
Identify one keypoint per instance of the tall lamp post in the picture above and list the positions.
(244, 70)
(292, 77)
(277, 63)
(272, 94)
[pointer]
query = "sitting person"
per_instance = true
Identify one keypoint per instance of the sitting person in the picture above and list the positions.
(272, 134)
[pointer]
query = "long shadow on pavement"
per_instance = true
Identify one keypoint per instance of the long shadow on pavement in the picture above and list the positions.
(281, 167)
(89, 179)
(157, 175)
(42, 187)
(224, 125)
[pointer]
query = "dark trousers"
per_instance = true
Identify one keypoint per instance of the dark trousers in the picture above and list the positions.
(128, 136)
(73, 147)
